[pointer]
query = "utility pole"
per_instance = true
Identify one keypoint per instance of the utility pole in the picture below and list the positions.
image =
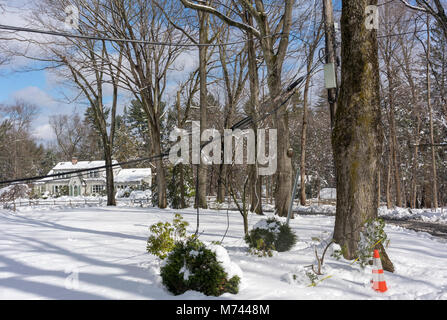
(331, 55)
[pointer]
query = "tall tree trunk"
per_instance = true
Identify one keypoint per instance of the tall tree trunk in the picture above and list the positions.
(304, 129)
(180, 166)
(357, 134)
(255, 180)
(159, 168)
(389, 203)
(379, 186)
(430, 110)
(202, 168)
(393, 139)
(221, 183)
(110, 187)
(283, 185)
(416, 139)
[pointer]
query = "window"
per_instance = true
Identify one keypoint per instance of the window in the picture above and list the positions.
(63, 175)
(93, 174)
(97, 188)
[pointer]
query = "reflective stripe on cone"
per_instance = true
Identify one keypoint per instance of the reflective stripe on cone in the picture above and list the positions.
(378, 280)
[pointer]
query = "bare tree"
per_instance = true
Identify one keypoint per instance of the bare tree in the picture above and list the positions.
(69, 131)
(18, 151)
(273, 35)
(92, 66)
(435, 8)
(147, 65)
(387, 49)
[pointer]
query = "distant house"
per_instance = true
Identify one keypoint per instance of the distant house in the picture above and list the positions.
(137, 178)
(90, 183)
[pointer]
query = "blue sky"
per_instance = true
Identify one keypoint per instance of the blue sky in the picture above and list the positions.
(33, 87)
(40, 87)
(43, 88)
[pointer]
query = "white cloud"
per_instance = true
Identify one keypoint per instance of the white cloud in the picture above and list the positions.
(44, 132)
(36, 96)
(185, 63)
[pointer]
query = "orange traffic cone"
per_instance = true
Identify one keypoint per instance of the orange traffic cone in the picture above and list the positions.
(378, 281)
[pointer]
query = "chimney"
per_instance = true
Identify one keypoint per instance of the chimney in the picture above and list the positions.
(74, 160)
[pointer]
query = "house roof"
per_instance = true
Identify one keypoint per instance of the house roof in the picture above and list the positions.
(68, 165)
(123, 176)
(132, 175)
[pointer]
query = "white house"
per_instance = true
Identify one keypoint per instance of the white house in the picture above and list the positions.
(91, 183)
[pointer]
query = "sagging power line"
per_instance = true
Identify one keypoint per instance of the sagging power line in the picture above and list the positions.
(90, 37)
(281, 100)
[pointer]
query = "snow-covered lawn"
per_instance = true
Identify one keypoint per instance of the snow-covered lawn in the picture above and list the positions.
(100, 253)
(427, 215)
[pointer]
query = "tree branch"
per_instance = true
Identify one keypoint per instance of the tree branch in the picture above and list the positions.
(213, 11)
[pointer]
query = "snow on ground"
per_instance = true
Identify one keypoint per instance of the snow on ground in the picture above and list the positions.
(100, 253)
(428, 215)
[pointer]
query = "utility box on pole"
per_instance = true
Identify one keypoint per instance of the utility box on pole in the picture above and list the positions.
(330, 81)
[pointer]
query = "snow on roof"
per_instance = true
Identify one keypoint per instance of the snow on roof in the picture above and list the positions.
(132, 175)
(40, 181)
(81, 165)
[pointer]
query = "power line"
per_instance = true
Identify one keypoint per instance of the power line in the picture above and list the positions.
(242, 124)
(402, 33)
(89, 37)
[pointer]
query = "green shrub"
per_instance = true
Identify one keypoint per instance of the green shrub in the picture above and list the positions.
(268, 235)
(164, 235)
(193, 266)
(371, 235)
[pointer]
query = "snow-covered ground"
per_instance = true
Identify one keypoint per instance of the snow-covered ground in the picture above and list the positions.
(428, 215)
(100, 253)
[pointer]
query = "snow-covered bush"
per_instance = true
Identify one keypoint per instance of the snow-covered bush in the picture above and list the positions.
(124, 193)
(165, 235)
(12, 192)
(371, 235)
(192, 265)
(61, 192)
(268, 235)
(140, 195)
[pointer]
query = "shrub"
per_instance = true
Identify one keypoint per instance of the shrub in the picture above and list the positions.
(371, 235)
(194, 266)
(164, 236)
(268, 235)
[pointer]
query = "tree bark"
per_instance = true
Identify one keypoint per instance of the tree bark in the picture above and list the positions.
(389, 203)
(357, 134)
(202, 168)
(393, 139)
(110, 186)
(159, 168)
(255, 180)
